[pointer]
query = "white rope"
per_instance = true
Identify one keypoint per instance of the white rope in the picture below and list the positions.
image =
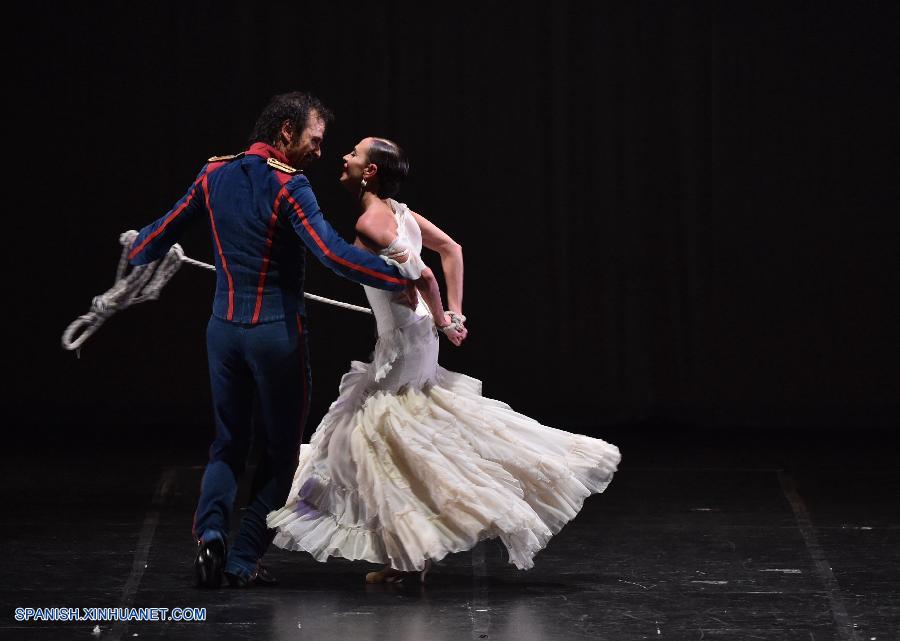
(143, 283)
(319, 299)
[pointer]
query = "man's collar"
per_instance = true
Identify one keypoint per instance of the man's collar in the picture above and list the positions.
(267, 151)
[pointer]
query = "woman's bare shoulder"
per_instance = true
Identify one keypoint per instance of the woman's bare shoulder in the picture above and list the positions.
(377, 224)
(378, 212)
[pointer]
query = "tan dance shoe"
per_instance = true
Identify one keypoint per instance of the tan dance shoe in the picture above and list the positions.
(390, 575)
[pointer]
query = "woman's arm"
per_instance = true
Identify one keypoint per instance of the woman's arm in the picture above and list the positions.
(451, 260)
(431, 293)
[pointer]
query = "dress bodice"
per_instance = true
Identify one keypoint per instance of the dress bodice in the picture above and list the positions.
(390, 309)
(407, 348)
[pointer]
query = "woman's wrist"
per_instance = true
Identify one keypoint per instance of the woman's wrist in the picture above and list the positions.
(453, 322)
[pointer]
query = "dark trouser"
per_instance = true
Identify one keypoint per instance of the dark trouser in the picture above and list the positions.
(268, 362)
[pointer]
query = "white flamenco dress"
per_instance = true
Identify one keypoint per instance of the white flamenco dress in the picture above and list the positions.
(412, 463)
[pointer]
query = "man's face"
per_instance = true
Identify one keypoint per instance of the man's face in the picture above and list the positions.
(306, 147)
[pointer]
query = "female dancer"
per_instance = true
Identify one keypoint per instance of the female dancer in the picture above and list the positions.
(411, 462)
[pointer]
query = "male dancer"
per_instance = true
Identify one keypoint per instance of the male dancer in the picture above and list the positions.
(263, 216)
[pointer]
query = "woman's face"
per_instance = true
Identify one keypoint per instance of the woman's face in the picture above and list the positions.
(355, 164)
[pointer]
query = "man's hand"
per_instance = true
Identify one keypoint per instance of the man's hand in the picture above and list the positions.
(401, 255)
(409, 296)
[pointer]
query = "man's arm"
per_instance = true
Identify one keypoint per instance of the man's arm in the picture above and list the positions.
(155, 239)
(298, 202)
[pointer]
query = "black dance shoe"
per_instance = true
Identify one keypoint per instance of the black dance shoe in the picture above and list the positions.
(209, 562)
(264, 578)
(261, 576)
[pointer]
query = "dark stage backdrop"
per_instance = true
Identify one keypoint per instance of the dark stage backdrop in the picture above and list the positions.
(674, 212)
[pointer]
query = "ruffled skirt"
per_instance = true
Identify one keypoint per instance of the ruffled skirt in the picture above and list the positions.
(399, 477)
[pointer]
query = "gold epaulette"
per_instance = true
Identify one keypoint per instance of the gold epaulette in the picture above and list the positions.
(280, 166)
(225, 158)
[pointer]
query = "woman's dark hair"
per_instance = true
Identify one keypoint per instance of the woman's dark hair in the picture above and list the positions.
(392, 164)
(296, 107)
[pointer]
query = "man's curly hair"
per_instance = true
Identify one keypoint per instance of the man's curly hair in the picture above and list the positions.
(296, 107)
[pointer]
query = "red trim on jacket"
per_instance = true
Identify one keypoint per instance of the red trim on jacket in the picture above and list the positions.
(273, 221)
(212, 222)
(156, 232)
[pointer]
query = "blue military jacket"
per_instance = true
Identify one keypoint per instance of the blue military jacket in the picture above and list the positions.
(263, 216)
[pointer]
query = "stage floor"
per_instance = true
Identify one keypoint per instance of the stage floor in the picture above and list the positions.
(755, 535)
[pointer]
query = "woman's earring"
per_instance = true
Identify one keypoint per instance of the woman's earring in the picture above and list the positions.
(362, 183)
